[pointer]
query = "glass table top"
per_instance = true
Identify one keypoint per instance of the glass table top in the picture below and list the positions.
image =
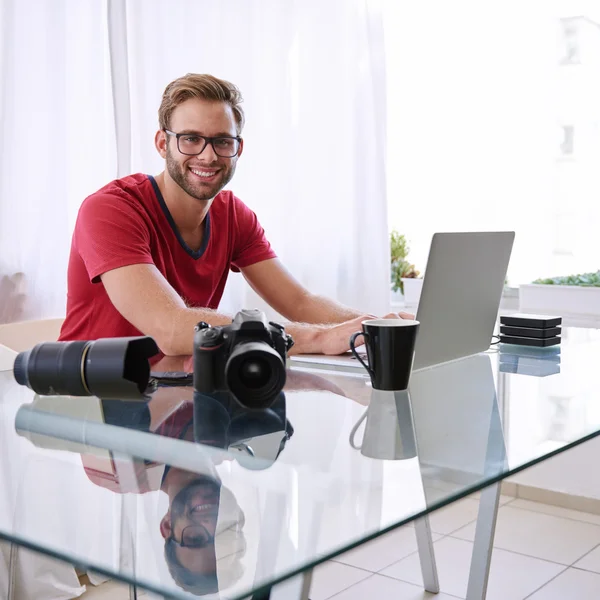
(190, 494)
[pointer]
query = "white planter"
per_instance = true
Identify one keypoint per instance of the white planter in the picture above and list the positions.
(412, 291)
(560, 299)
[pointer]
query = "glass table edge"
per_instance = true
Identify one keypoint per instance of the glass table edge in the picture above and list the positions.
(284, 576)
(465, 492)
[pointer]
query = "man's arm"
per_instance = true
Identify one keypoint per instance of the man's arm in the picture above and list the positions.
(146, 299)
(276, 286)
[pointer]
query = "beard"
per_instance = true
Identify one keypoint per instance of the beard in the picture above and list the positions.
(192, 185)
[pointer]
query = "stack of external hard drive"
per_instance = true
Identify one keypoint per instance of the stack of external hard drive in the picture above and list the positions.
(530, 330)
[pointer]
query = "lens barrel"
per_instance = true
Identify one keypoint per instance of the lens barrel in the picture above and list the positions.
(110, 368)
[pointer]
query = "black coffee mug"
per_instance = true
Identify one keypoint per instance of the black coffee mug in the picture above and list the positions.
(390, 347)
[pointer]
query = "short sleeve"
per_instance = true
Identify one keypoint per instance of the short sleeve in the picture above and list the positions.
(251, 244)
(110, 233)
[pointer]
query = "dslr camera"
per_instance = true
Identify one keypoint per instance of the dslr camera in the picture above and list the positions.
(246, 359)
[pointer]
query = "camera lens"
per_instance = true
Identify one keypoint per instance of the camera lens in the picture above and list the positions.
(53, 368)
(255, 374)
(112, 368)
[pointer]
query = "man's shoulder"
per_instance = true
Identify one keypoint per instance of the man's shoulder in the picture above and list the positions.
(133, 191)
(129, 186)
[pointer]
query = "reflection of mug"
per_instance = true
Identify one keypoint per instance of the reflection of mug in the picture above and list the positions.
(390, 347)
(389, 432)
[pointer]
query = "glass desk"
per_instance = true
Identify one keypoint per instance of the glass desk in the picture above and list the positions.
(258, 499)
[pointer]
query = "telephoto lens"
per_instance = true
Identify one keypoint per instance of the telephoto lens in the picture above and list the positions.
(109, 368)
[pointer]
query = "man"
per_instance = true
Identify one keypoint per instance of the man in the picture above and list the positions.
(151, 255)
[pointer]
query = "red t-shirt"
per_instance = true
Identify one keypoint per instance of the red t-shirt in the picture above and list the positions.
(127, 222)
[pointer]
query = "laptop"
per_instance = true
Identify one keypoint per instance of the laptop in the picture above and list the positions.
(461, 294)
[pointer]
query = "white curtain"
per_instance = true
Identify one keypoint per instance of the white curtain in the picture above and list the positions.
(57, 137)
(81, 86)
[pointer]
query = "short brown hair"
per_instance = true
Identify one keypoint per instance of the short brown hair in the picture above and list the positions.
(206, 87)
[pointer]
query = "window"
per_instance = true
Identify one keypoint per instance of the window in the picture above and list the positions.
(472, 130)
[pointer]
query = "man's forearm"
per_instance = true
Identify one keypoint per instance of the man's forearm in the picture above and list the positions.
(180, 340)
(319, 309)
(307, 337)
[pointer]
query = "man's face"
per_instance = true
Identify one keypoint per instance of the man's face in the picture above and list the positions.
(203, 176)
(197, 506)
(200, 505)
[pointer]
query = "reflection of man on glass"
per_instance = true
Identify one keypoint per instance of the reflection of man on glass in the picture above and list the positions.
(204, 541)
(204, 522)
(203, 526)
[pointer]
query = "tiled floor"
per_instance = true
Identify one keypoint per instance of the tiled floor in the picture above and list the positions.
(540, 553)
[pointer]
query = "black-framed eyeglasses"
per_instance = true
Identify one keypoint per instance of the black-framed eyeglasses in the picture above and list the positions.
(194, 536)
(192, 144)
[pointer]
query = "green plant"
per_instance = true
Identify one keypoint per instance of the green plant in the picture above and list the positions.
(584, 280)
(400, 266)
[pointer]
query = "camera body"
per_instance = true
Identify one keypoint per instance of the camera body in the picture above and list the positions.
(246, 358)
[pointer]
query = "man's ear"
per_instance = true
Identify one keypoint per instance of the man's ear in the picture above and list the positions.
(165, 525)
(160, 141)
(241, 148)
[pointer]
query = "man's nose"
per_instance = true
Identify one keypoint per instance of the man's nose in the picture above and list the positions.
(209, 153)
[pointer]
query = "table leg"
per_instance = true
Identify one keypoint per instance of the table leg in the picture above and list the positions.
(484, 542)
(129, 481)
(426, 555)
(12, 572)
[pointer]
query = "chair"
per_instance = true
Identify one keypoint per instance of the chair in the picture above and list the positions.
(16, 337)
(13, 296)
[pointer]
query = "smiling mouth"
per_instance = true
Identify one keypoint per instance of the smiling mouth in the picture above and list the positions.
(204, 508)
(204, 174)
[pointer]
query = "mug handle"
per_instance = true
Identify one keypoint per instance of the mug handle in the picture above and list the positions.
(356, 355)
(355, 429)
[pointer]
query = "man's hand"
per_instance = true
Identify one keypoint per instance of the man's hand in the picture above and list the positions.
(400, 315)
(336, 339)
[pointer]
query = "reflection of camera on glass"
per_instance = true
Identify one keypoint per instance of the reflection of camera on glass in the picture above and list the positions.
(221, 421)
(111, 368)
(246, 358)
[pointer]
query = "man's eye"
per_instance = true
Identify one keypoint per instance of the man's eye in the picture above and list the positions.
(191, 139)
(224, 142)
